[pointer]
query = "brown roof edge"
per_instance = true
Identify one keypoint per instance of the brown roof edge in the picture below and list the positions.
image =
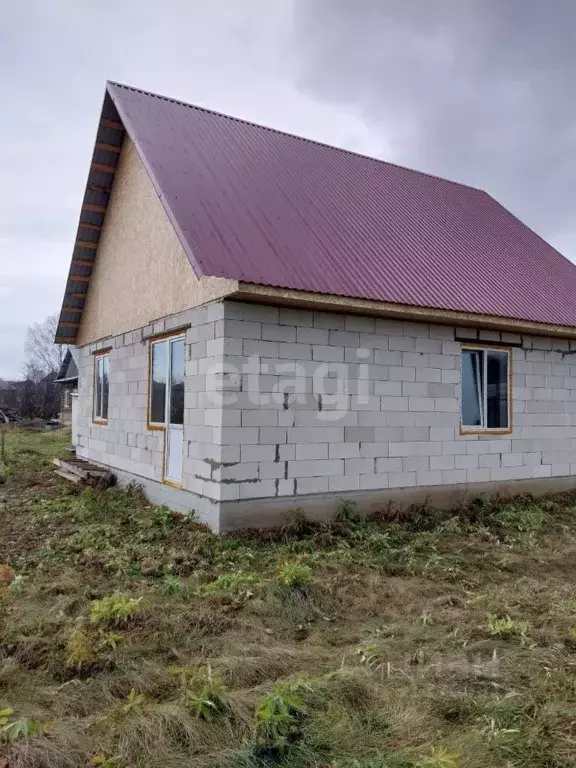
(331, 303)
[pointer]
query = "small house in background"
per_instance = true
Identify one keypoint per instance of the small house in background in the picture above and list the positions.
(8, 396)
(265, 323)
(67, 378)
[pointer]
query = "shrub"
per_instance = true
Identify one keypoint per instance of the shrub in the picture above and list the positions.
(294, 575)
(114, 610)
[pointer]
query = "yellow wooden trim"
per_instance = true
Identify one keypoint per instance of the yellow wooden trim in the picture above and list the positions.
(153, 426)
(97, 354)
(465, 431)
(488, 345)
(172, 484)
(508, 431)
(164, 458)
(175, 333)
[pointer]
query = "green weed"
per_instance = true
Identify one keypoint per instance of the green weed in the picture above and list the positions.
(239, 584)
(19, 730)
(164, 517)
(294, 575)
(507, 628)
(134, 703)
(279, 715)
(440, 758)
(115, 610)
(202, 691)
(172, 584)
(105, 762)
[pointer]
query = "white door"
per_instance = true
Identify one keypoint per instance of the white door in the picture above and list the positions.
(174, 411)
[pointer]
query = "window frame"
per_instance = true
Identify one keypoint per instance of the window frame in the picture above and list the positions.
(485, 430)
(98, 418)
(168, 338)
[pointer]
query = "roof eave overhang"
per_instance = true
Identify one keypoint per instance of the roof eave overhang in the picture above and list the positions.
(333, 303)
(105, 156)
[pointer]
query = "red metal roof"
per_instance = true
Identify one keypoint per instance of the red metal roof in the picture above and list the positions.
(266, 207)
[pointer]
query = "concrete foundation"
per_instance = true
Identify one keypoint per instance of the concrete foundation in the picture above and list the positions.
(262, 513)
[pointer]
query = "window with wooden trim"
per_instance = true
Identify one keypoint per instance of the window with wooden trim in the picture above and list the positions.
(485, 400)
(166, 384)
(101, 387)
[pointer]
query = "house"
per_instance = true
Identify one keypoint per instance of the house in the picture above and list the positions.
(67, 378)
(265, 323)
(8, 396)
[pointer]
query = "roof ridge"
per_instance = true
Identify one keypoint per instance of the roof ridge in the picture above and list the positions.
(293, 135)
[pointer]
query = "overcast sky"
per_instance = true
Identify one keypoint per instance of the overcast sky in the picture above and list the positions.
(477, 90)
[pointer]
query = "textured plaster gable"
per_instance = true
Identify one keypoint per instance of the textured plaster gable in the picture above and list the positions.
(141, 271)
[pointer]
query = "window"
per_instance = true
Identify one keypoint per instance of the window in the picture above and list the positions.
(166, 403)
(485, 399)
(101, 387)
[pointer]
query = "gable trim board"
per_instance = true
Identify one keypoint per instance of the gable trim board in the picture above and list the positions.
(462, 234)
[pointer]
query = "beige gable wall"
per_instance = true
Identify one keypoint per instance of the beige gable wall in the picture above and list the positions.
(141, 271)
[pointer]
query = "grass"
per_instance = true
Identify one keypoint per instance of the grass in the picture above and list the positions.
(130, 636)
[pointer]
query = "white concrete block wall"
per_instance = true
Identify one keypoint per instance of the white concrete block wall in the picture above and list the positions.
(287, 402)
(125, 443)
(326, 402)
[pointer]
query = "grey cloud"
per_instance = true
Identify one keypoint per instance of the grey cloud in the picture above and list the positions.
(475, 90)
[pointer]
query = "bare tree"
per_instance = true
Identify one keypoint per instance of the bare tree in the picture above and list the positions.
(42, 355)
(39, 396)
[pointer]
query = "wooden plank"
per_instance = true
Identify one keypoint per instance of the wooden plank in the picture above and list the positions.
(82, 468)
(80, 278)
(103, 168)
(82, 262)
(86, 244)
(67, 324)
(94, 208)
(78, 295)
(72, 309)
(86, 225)
(106, 123)
(56, 462)
(67, 476)
(108, 147)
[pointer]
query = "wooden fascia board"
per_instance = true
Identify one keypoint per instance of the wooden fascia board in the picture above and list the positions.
(332, 303)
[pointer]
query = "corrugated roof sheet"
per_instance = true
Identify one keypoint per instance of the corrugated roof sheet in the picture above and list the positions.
(266, 207)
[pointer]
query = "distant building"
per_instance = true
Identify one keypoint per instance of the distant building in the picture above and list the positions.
(67, 378)
(8, 395)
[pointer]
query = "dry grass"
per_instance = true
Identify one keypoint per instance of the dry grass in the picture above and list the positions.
(431, 640)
